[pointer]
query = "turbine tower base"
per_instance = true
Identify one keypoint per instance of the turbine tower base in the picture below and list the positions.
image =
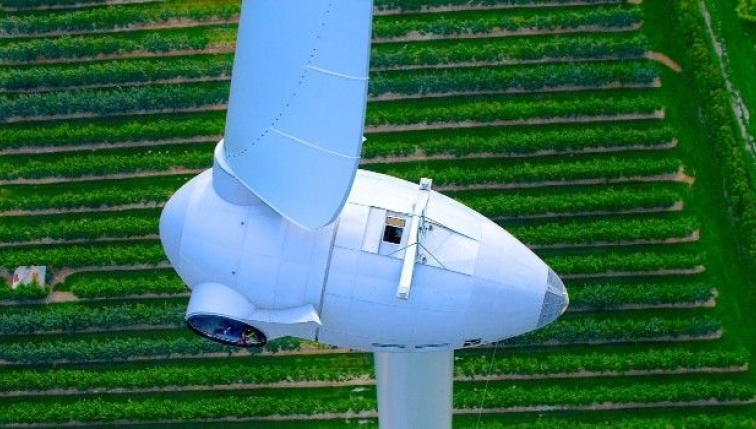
(415, 389)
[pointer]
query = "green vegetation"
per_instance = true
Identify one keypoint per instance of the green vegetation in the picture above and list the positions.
(747, 10)
(557, 119)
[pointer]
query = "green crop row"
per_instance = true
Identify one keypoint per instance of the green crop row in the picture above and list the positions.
(115, 72)
(347, 400)
(112, 131)
(509, 141)
(31, 4)
(110, 18)
(557, 47)
(637, 392)
(209, 124)
(566, 202)
(343, 367)
(114, 348)
(489, 109)
(23, 292)
(658, 359)
(412, 5)
(73, 256)
(449, 173)
(106, 45)
(522, 78)
(72, 227)
(168, 97)
(474, 23)
(589, 329)
(747, 10)
(115, 285)
(113, 100)
(121, 347)
(384, 27)
(609, 262)
(162, 159)
(607, 296)
(90, 195)
(381, 83)
(79, 318)
(604, 231)
(561, 47)
(157, 190)
(106, 162)
(417, 5)
(615, 421)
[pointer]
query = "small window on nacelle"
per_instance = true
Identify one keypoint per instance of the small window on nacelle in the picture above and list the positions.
(394, 230)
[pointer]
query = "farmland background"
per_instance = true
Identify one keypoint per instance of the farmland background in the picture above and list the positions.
(594, 130)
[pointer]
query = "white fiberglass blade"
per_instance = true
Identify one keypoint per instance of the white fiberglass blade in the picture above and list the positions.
(297, 108)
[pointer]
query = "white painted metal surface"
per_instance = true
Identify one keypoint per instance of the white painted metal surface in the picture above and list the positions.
(500, 290)
(415, 389)
(285, 237)
(297, 108)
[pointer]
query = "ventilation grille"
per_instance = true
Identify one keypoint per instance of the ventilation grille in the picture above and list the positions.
(554, 302)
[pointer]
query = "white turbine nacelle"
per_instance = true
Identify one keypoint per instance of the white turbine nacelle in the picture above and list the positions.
(403, 269)
(286, 237)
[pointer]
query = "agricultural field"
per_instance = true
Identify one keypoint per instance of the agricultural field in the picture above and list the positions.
(600, 132)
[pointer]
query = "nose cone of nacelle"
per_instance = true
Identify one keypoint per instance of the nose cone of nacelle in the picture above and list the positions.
(555, 301)
(513, 291)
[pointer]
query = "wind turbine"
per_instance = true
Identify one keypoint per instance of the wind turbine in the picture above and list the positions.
(285, 236)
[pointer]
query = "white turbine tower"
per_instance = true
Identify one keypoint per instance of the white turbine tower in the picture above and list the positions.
(284, 236)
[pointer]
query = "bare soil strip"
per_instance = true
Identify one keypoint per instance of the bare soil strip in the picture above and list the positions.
(417, 156)
(500, 33)
(366, 380)
(229, 49)
(172, 81)
(34, 150)
(672, 177)
(677, 207)
(665, 60)
(659, 114)
(711, 303)
(374, 128)
(549, 90)
(304, 351)
(477, 64)
(200, 109)
(410, 37)
(669, 177)
(661, 339)
(49, 241)
(58, 180)
(421, 156)
(310, 350)
(101, 209)
(215, 49)
(135, 328)
(692, 238)
(374, 414)
(76, 5)
(610, 406)
(478, 7)
(377, 12)
(185, 23)
(613, 274)
(383, 97)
